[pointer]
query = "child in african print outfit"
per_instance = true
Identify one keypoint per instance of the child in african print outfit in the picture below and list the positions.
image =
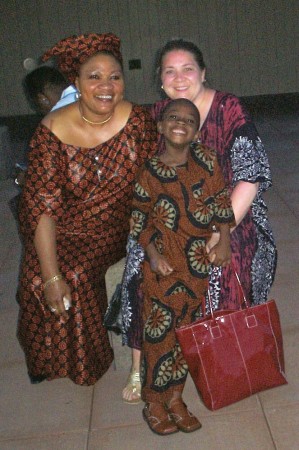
(179, 198)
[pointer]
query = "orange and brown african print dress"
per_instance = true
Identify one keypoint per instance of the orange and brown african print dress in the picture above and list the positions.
(88, 192)
(175, 208)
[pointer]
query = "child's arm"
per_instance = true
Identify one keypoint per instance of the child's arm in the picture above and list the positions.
(220, 254)
(142, 227)
(158, 263)
(141, 223)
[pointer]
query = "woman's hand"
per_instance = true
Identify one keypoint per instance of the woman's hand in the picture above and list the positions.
(57, 292)
(160, 265)
(58, 297)
(214, 239)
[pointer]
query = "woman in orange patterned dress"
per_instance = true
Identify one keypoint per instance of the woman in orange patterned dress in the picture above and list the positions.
(75, 212)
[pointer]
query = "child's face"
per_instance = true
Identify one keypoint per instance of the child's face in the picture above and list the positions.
(179, 125)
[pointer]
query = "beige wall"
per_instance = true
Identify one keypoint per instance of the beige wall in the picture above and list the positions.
(250, 46)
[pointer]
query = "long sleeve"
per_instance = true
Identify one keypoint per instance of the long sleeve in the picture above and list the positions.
(142, 208)
(230, 130)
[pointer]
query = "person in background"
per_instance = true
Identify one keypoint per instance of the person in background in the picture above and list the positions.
(179, 196)
(43, 88)
(226, 126)
(75, 211)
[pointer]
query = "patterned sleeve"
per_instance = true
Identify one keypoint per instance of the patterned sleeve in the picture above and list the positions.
(42, 193)
(249, 160)
(217, 203)
(219, 206)
(142, 207)
(144, 134)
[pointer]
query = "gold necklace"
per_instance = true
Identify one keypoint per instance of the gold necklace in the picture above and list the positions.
(94, 123)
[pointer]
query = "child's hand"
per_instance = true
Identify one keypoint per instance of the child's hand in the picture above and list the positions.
(160, 266)
(220, 253)
(158, 263)
(20, 178)
(220, 256)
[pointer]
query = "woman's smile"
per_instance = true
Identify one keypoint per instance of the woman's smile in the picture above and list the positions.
(101, 85)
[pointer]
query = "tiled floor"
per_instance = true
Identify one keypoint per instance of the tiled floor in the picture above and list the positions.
(59, 415)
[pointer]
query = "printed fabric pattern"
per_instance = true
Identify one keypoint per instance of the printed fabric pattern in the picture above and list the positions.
(88, 192)
(175, 208)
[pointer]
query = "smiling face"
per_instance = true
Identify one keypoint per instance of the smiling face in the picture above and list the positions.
(101, 84)
(181, 75)
(180, 123)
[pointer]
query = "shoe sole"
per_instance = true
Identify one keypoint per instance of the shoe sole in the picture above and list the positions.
(132, 402)
(184, 430)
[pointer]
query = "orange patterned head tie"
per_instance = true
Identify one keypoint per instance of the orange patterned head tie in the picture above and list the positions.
(73, 51)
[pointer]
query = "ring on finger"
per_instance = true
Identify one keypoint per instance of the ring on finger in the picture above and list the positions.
(67, 303)
(52, 309)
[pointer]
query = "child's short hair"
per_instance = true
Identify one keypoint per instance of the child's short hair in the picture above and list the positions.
(35, 82)
(182, 101)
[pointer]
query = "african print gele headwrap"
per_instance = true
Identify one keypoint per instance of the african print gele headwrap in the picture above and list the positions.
(73, 51)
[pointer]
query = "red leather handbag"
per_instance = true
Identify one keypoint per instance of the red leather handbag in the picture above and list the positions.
(234, 354)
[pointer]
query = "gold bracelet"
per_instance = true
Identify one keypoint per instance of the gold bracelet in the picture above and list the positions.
(52, 280)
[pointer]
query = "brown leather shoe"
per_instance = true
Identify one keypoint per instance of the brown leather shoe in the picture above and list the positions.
(158, 419)
(183, 418)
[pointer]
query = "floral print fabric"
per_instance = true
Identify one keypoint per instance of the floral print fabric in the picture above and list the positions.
(229, 129)
(175, 208)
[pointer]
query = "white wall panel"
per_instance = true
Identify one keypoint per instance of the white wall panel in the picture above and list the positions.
(250, 46)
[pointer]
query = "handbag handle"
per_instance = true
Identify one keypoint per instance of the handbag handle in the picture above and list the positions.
(241, 292)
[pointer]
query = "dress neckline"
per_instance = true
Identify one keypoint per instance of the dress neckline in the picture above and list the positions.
(178, 166)
(130, 118)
